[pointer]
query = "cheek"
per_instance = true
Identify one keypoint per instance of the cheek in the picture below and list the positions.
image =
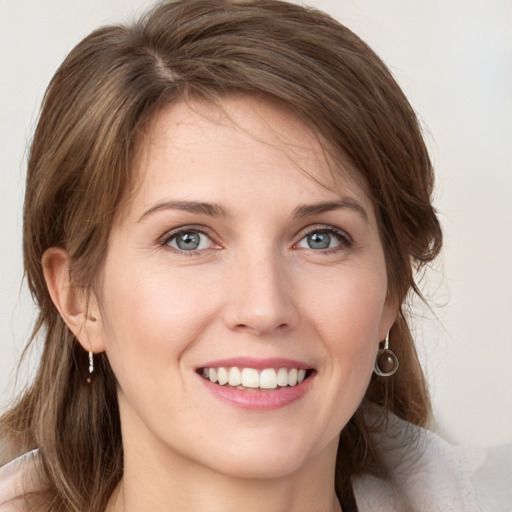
(347, 316)
(149, 320)
(348, 306)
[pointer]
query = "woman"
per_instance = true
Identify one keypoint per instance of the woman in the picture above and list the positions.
(226, 206)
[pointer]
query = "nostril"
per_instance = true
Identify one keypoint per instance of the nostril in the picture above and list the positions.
(260, 306)
(259, 328)
(243, 327)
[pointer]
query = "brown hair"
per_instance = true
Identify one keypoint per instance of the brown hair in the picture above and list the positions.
(80, 171)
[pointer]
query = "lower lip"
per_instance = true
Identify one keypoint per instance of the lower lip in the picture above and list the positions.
(259, 400)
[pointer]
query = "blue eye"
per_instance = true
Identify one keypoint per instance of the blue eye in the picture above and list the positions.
(322, 239)
(189, 240)
(319, 240)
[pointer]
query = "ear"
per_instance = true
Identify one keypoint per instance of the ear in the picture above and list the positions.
(77, 308)
(388, 318)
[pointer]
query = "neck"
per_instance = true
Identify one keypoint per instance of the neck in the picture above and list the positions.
(250, 497)
(185, 487)
(160, 476)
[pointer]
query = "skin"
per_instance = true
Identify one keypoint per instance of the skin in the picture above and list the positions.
(255, 287)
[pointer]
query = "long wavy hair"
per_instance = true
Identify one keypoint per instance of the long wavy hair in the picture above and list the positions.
(80, 172)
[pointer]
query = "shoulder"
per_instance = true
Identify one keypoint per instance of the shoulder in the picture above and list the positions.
(17, 478)
(426, 474)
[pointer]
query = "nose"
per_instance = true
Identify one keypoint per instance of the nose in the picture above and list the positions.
(260, 296)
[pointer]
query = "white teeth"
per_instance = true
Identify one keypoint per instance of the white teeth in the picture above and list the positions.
(222, 376)
(268, 378)
(250, 378)
(234, 377)
(282, 377)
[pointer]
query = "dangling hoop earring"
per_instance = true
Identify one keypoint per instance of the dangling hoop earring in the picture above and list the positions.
(91, 367)
(386, 362)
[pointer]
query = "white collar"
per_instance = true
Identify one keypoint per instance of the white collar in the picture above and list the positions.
(427, 474)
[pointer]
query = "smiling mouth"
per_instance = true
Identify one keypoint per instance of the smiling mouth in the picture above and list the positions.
(249, 379)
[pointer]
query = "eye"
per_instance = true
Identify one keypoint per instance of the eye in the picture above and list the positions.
(323, 239)
(189, 240)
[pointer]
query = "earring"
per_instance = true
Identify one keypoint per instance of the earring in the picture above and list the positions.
(91, 367)
(386, 362)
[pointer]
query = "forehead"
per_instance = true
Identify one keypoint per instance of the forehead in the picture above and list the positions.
(236, 141)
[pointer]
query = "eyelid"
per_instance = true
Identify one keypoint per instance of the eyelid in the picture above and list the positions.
(164, 240)
(345, 239)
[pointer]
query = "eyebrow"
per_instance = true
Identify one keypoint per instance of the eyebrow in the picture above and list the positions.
(210, 209)
(307, 210)
(216, 210)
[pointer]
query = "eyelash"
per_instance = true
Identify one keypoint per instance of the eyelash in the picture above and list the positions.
(345, 241)
(166, 239)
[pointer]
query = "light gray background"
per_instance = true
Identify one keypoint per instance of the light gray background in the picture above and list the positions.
(454, 60)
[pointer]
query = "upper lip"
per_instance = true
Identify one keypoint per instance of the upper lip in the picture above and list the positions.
(257, 363)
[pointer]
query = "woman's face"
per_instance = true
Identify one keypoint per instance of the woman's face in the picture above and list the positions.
(233, 262)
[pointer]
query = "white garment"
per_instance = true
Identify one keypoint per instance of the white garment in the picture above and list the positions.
(428, 476)
(17, 478)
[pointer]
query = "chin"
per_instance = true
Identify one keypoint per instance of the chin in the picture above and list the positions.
(259, 467)
(265, 458)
